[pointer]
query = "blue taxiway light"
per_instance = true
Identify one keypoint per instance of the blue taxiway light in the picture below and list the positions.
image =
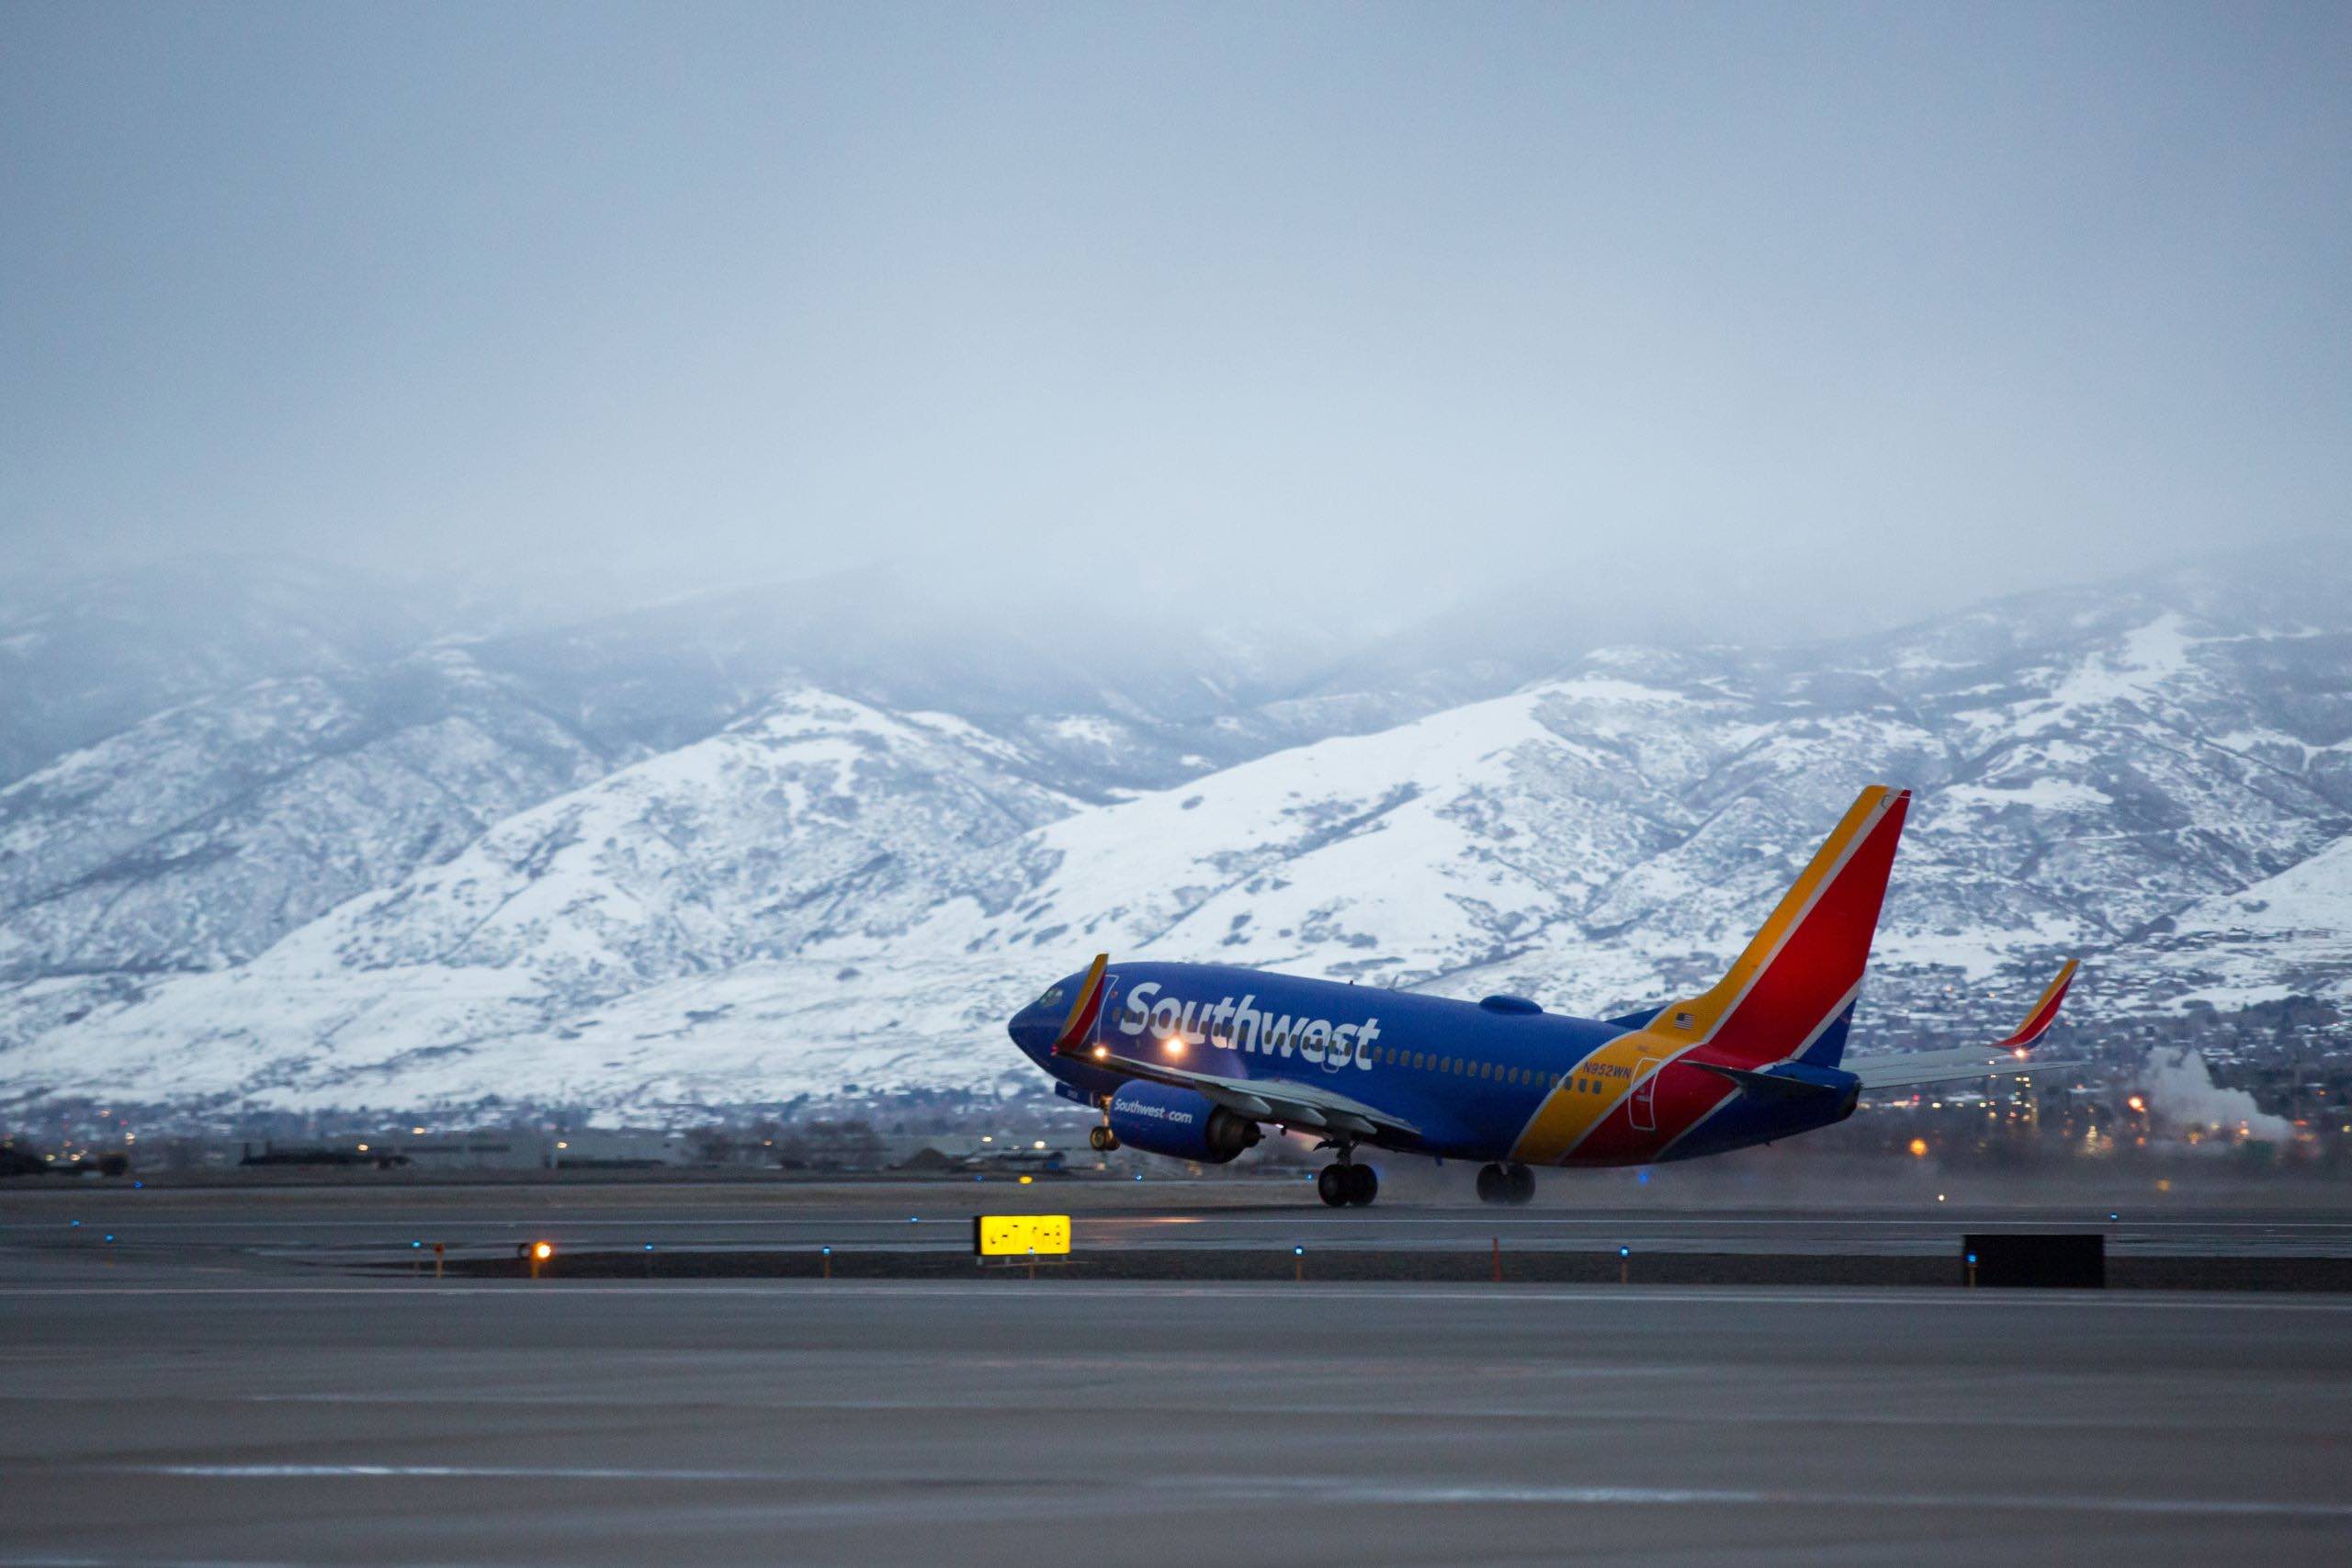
(826, 1250)
(1972, 1258)
(1625, 1252)
(1298, 1252)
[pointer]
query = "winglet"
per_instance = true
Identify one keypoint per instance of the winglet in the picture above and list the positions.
(1085, 1011)
(2045, 1011)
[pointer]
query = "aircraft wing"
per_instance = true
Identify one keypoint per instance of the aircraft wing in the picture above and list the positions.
(1308, 1106)
(2006, 1056)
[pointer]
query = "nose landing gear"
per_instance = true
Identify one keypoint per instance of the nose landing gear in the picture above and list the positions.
(1513, 1183)
(1340, 1185)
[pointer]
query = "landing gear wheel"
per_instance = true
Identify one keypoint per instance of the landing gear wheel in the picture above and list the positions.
(1519, 1184)
(1102, 1139)
(1494, 1185)
(1363, 1185)
(1332, 1184)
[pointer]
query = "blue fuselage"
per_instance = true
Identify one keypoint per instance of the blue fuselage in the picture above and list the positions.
(1470, 1076)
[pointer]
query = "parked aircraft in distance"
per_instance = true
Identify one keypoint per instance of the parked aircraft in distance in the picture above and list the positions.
(1188, 1060)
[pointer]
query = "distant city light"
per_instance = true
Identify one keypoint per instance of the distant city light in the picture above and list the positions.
(1918, 1148)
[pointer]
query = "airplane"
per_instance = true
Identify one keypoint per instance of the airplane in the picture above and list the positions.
(1192, 1060)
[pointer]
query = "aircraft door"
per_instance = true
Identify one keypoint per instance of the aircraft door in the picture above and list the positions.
(1644, 1109)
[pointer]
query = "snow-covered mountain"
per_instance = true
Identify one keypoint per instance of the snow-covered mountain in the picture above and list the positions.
(686, 855)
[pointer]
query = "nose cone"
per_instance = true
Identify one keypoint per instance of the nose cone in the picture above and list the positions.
(1033, 1030)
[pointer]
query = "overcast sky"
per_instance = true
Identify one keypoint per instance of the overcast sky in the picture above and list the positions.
(1740, 305)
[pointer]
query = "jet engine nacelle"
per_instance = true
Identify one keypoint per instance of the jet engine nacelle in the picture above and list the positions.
(1163, 1119)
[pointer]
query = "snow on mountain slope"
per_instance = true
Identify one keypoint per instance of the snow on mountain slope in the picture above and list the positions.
(822, 820)
(832, 893)
(85, 657)
(2287, 935)
(200, 836)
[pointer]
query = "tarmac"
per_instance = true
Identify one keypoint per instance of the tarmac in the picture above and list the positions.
(229, 1383)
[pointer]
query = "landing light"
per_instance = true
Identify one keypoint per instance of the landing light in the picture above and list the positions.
(1175, 1048)
(1102, 1053)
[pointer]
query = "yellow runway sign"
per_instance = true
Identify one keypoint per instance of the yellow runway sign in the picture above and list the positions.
(1019, 1236)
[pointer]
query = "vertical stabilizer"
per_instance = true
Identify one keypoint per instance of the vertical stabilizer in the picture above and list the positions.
(1792, 992)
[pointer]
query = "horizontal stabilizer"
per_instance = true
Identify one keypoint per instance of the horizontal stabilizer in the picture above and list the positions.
(1761, 1085)
(1975, 1060)
(1945, 1066)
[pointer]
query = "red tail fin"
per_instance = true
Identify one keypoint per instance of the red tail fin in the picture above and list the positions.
(1800, 973)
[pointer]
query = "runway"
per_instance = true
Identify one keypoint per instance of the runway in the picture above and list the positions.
(160, 1411)
(351, 1224)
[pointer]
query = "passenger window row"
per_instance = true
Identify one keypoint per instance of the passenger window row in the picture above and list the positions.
(1429, 1062)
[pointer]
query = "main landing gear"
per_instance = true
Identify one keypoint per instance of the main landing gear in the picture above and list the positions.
(1345, 1183)
(1102, 1139)
(1505, 1184)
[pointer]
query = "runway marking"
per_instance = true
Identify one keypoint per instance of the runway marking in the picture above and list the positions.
(1337, 1490)
(989, 1399)
(424, 1471)
(1349, 1490)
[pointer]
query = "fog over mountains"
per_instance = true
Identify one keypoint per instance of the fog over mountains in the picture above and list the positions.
(302, 837)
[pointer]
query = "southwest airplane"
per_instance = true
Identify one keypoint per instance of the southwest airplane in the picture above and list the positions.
(1187, 1059)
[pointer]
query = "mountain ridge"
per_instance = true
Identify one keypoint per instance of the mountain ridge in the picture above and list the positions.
(827, 891)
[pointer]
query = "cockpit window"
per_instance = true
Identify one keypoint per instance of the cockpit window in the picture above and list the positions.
(1050, 998)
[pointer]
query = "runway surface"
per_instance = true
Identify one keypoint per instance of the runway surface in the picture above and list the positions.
(268, 1226)
(159, 1410)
